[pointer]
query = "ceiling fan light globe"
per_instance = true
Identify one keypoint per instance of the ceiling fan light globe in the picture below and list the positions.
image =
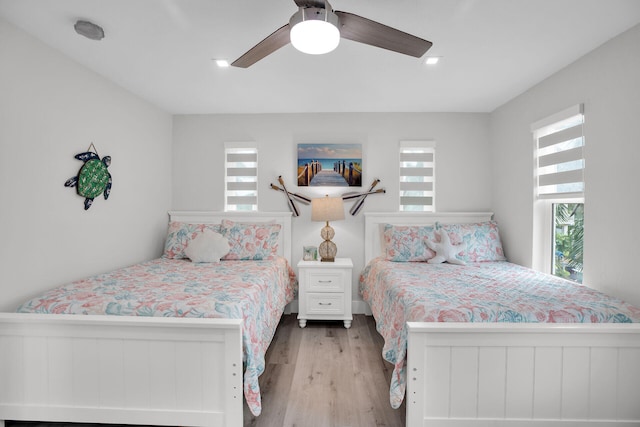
(315, 37)
(314, 30)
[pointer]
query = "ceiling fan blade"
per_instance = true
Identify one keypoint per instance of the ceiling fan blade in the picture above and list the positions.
(363, 30)
(273, 42)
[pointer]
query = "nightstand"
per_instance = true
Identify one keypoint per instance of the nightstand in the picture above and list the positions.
(324, 291)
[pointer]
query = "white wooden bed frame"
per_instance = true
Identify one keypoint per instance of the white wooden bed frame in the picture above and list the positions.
(514, 374)
(127, 370)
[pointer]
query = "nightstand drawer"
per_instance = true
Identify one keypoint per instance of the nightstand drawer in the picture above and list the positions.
(325, 304)
(325, 281)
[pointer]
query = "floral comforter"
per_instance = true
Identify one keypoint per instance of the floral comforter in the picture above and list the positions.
(400, 292)
(255, 291)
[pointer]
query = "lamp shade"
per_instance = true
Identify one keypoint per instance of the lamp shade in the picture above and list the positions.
(314, 31)
(327, 209)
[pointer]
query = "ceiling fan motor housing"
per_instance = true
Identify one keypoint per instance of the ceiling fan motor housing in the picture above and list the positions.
(314, 14)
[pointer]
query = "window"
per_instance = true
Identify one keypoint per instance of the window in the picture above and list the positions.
(241, 178)
(417, 176)
(568, 235)
(559, 191)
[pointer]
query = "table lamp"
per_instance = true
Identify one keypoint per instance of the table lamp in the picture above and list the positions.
(327, 209)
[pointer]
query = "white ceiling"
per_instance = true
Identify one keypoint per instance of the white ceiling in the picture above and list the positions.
(162, 51)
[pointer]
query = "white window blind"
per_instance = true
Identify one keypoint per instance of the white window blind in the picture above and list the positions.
(241, 177)
(559, 155)
(417, 176)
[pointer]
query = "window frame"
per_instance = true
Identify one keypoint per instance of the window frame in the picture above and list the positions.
(543, 242)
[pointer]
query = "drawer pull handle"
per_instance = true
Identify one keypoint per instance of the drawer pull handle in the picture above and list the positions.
(324, 281)
(324, 303)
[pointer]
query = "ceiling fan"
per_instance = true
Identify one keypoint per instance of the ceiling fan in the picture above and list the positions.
(320, 15)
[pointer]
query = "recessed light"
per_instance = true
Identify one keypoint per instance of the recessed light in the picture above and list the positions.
(432, 60)
(222, 63)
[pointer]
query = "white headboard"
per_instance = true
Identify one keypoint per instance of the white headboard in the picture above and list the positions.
(210, 217)
(374, 225)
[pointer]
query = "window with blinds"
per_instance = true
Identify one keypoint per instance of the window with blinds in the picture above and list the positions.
(417, 176)
(559, 155)
(241, 178)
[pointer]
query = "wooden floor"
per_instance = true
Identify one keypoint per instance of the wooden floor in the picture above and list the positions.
(326, 376)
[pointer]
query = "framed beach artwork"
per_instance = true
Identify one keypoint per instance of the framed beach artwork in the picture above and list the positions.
(330, 165)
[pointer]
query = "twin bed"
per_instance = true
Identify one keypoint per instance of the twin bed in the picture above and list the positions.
(182, 341)
(491, 343)
(484, 344)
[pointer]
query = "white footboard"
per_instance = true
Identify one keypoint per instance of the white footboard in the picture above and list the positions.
(121, 370)
(523, 374)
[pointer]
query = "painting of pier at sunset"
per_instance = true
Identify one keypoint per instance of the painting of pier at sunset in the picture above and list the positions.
(329, 165)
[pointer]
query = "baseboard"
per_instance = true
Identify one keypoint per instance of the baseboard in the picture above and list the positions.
(360, 307)
(292, 307)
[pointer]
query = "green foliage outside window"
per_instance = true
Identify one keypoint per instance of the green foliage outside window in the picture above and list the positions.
(568, 240)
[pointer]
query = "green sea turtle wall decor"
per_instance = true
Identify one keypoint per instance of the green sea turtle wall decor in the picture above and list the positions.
(93, 178)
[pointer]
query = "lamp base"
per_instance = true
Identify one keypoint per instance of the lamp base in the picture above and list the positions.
(327, 251)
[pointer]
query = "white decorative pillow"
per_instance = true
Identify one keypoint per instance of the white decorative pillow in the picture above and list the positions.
(207, 246)
(445, 250)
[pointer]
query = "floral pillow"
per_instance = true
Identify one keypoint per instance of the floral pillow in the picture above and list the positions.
(481, 240)
(250, 241)
(179, 235)
(406, 243)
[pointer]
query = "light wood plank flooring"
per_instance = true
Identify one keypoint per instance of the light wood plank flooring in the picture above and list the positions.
(326, 376)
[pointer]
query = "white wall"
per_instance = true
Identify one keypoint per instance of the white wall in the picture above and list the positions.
(463, 172)
(607, 82)
(51, 108)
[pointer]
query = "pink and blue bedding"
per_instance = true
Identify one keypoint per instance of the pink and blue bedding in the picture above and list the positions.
(255, 291)
(401, 287)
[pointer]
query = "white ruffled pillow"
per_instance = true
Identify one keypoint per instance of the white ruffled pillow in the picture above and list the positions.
(207, 246)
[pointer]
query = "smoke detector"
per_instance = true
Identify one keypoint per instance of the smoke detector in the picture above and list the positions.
(89, 30)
